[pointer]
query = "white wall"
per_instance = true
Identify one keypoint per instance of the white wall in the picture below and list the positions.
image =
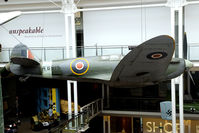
(192, 23)
(52, 36)
(192, 30)
(126, 26)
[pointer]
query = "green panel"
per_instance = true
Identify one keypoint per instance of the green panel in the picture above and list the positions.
(1, 110)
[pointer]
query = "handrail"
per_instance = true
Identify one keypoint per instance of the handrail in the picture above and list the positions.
(107, 46)
(63, 124)
(59, 53)
(96, 46)
(90, 103)
(86, 113)
(51, 53)
(92, 109)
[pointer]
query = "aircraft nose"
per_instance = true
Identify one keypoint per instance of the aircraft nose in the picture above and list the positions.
(188, 64)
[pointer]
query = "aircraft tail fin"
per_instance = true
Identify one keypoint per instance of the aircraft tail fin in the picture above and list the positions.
(22, 55)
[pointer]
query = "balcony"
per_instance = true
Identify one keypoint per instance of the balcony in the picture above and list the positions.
(59, 53)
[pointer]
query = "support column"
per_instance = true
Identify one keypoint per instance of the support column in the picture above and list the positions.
(69, 88)
(102, 105)
(173, 100)
(66, 18)
(109, 124)
(181, 88)
(69, 9)
(1, 110)
(107, 96)
(69, 99)
(177, 6)
(132, 125)
(75, 98)
(73, 36)
(104, 124)
(173, 92)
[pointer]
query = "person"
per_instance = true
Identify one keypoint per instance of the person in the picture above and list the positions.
(50, 111)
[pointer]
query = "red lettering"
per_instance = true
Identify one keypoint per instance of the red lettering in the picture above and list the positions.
(35, 30)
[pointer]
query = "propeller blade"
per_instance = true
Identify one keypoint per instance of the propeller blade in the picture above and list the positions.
(185, 46)
(191, 77)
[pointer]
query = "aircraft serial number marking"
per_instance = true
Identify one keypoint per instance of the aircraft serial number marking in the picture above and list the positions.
(79, 66)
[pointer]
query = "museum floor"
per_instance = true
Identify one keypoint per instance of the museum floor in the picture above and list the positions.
(25, 127)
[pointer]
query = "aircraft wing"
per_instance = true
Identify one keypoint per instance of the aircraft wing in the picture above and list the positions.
(146, 63)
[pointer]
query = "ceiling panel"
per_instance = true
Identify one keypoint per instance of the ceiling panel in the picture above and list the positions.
(104, 3)
(192, 0)
(11, 2)
(11, 5)
(83, 1)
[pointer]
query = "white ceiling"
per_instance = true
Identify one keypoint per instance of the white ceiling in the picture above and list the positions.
(97, 3)
(47, 4)
(82, 1)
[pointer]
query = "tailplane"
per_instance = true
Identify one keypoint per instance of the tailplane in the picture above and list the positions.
(22, 55)
(22, 61)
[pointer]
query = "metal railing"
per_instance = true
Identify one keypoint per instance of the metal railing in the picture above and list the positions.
(58, 53)
(79, 123)
(42, 53)
(92, 109)
(69, 125)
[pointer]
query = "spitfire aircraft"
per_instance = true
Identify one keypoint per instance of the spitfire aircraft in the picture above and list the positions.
(147, 64)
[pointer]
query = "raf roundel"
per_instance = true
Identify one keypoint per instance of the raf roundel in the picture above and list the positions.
(79, 66)
(156, 55)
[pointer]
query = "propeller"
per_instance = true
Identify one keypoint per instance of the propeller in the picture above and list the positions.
(185, 46)
(191, 77)
(188, 64)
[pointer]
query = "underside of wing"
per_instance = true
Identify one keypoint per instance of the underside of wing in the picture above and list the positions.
(146, 63)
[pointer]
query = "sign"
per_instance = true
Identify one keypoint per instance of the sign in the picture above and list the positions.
(166, 110)
(157, 125)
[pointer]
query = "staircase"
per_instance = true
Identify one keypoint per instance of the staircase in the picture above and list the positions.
(80, 122)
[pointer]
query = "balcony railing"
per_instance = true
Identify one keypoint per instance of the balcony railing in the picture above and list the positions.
(58, 53)
(79, 123)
